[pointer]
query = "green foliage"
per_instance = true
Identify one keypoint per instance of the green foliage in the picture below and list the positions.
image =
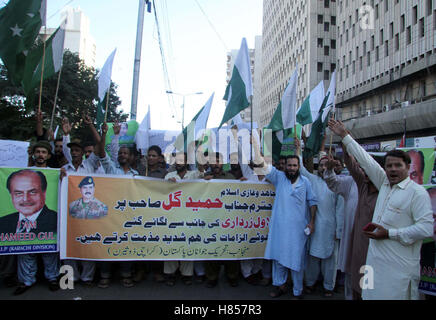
(77, 95)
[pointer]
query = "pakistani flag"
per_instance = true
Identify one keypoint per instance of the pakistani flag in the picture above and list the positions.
(313, 143)
(285, 114)
(21, 21)
(331, 94)
(240, 87)
(54, 51)
(308, 111)
(104, 85)
(196, 126)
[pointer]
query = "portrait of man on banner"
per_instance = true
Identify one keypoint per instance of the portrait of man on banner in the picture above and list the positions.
(87, 207)
(27, 189)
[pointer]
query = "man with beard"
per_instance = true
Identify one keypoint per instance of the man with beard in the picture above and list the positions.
(122, 167)
(403, 217)
(324, 243)
(289, 226)
(186, 267)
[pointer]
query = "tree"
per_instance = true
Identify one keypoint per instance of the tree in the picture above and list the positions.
(77, 95)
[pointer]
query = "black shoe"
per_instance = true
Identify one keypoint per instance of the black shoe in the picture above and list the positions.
(21, 289)
(171, 280)
(211, 283)
(200, 279)
(294, 297)
(187, 280)
(53, 285)
(253, 280)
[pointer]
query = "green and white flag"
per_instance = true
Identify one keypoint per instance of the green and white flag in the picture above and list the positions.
(240, 88)
(54, 52)
(285, 114)
(308, 111)
(313, 142)
(331, 94)
(21, 21)
(196, 128)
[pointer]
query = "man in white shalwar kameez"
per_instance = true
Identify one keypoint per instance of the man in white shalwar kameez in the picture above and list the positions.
(403, 217)
(347, 188)
(323, 243)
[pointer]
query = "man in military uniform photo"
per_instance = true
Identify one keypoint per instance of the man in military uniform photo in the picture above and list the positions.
(88, 207)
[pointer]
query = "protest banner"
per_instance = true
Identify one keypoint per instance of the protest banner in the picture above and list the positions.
(28, 219)
(13, 153)
(136, 218)
(421, 168)
(428, 253)
(126, 137)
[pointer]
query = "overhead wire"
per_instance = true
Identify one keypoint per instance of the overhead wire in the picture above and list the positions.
(164, 64)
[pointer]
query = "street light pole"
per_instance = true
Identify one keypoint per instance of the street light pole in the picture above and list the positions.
(183, 106)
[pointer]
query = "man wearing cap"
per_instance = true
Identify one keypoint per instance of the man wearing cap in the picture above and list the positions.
(324, 243)
(87, 207)
(83, 166)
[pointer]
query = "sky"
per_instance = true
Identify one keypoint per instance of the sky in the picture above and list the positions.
(195, 45)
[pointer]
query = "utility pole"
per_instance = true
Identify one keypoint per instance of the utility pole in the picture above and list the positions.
(137, 64)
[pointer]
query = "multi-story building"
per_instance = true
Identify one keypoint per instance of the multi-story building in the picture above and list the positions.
(386, 60)
(78, 38)
(296, 33)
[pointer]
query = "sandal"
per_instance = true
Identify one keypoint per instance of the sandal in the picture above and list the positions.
(278, 291)
(328, 293)
(127, 282)
(309, 289)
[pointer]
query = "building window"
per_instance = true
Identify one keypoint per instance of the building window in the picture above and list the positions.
(333, 44)
(333, 20)
(377, 54)
(320, 43)
(333, 67)
(402, 23)
(397, 42)
(319, 66)
(326, 4)
(429, 7)
(409, 35)
(415, 14)
(326, 50)
(320, 18)
(369, 58)
(421, 28)
(391, 30)
(326, 75)
(381, 37)
(387, 48)
(326, 26)
(376, 11)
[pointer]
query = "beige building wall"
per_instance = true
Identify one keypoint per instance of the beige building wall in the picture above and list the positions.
(296, 32)
(387, 65)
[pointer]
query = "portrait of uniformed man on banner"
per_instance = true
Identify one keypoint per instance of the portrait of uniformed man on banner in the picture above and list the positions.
(87, 207)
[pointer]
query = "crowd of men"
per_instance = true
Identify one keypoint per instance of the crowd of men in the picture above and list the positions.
(351, 219)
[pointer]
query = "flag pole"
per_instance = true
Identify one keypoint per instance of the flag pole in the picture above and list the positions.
(107, 104)
(251, 130)
(42, 70)
(56, 98)
(331, 139)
